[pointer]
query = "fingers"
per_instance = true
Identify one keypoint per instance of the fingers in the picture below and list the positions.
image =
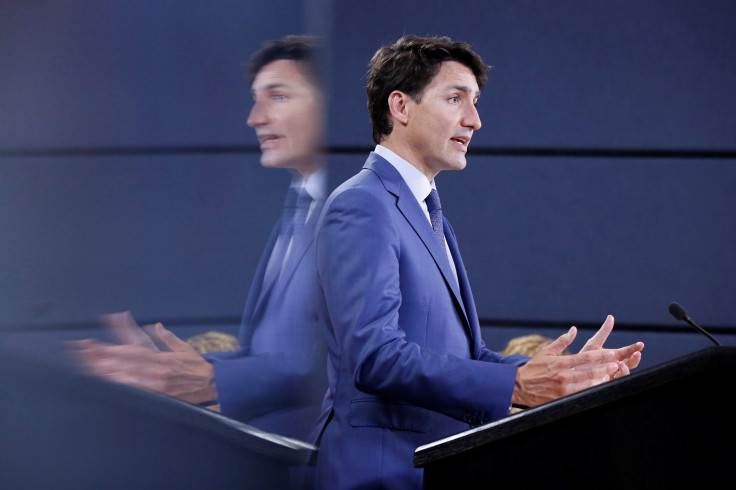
(182, 373)
(623, 370)
(95, 361)
(547, 375)
(127, 364)
(625, 358)
(625, 366)
(87, 348)
(80, 351)
(590, 375)
(167, 338)
(600, 337)
(113, 357)
(560, 343)
(608, 355)
(77, 345)
(629, 351)
(585, 361)
(125, 329)
(633, 361)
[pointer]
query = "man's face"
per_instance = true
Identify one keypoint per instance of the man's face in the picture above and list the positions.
(439, 128)
(288, 117)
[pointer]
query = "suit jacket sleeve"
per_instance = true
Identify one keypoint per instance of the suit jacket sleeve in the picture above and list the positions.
(250, 386)
(285, 371)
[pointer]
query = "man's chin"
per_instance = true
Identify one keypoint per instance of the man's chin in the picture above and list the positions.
(270, 160)
(305, 165)
(457, 164)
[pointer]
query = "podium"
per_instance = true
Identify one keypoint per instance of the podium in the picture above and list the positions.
(668, 426)
(62, 429)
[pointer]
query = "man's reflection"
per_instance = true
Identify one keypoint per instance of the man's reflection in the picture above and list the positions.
(275, 381)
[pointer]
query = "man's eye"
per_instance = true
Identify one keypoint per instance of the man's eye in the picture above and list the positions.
(454, 100)
(279, 97)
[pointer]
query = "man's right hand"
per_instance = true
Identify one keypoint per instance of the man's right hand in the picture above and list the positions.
(549, 375)
(178, 370)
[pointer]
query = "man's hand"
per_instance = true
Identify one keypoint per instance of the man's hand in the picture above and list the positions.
(126, 331)
(549, 375)
(178, 371)
(596, 342)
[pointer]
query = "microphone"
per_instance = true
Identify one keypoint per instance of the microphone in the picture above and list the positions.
(680, 314)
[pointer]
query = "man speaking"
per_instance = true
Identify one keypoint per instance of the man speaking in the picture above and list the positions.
(407, 364)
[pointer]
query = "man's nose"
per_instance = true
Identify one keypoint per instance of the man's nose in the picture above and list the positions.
(258, 115)
(472, 118)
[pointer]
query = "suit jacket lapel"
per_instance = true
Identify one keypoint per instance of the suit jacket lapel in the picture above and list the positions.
(255, 294)
(465, 291)
(409, 207)
(299, 247)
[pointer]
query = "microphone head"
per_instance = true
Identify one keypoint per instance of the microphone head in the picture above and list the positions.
(677, 311)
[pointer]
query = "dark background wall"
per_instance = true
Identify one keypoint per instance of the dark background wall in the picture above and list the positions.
(601, 182)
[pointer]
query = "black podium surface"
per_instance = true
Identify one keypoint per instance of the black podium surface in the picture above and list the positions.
(669, 426)
(60, 429)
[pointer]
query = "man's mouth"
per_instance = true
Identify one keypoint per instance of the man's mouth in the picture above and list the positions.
(461, 141)
(267, 140)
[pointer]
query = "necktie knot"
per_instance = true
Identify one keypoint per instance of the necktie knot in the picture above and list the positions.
(433, 202)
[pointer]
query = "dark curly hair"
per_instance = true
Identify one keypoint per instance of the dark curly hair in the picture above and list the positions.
(409, 65)
(306, 49)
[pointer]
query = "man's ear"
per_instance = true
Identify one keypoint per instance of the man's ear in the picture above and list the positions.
(398, 106)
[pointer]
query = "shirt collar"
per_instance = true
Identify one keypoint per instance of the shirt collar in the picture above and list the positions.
(414, 178)
(315, 184)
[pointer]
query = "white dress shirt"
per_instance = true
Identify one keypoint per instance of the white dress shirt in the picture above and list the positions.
(419, 185)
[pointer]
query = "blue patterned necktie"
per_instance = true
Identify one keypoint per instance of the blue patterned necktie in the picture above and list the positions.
(435, 215)
(287, 217)
(303, 202)
(286, 231)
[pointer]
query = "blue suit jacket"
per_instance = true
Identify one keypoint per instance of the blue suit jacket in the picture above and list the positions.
(277, 380)
(407, 364)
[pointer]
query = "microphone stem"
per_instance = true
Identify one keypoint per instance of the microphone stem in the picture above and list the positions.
(691, 322)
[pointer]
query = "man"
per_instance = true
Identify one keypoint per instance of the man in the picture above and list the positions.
(276, 380)
(407, 364)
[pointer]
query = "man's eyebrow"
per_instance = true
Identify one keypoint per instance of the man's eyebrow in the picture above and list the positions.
(466, 89)
(270, 86)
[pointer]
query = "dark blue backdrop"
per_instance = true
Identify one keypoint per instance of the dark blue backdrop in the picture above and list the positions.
(601, 182)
